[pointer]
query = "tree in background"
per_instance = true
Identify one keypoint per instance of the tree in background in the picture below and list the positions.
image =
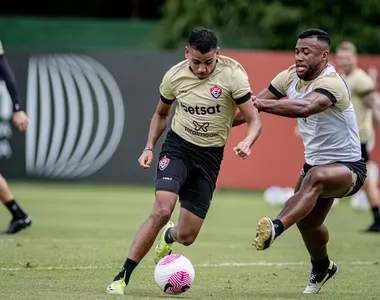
(271, 24)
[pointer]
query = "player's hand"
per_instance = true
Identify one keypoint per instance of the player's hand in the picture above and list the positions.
(256, 103)
(243, 150)
(20, 120)
(146, 158)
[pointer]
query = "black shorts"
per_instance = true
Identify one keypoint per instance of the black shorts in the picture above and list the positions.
(365, 154)
(189, 171)
(357, 167)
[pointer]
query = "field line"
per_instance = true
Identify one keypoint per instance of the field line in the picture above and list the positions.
(207, 265)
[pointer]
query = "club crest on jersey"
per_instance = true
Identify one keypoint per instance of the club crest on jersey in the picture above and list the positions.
(216, 92)
(164, 162)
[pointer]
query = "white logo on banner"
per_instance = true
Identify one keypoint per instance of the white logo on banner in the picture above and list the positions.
(76, 115)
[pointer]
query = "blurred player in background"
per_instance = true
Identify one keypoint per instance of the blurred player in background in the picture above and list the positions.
(320, 100)
(366, 103)
(20, 219)
(208, 88)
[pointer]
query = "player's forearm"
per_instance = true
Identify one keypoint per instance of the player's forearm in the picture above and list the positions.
(158, 125)
(7, 75)
(253, 131)
(285, 108)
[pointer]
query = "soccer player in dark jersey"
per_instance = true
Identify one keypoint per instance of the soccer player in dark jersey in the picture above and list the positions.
(20, 219)
(208, 89)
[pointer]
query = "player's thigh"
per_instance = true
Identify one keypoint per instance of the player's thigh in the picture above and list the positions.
(195, 198)
(171, 175)
(332, 181)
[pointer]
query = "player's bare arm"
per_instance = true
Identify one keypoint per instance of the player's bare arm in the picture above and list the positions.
(251, 115)
(158, 125)
(312, 103)
(264, 94)
(372, 100)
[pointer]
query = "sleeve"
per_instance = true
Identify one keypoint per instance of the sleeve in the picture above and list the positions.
(7, 75)
(278, 85)
(240, 87)
(166, 89)
(333, 87)
(364, 84)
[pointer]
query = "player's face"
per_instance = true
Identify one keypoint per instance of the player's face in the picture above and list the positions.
(346, 61)
(310, 57)
(202, 65)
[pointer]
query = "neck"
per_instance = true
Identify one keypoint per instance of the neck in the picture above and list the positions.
(317, 72)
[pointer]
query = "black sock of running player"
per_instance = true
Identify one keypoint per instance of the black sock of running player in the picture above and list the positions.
(126, 270)
(320, 265)
(15, 209)
(168, 236)
(376, 214)
(278, 227)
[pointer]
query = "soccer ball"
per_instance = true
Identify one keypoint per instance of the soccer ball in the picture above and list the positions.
(174, 274)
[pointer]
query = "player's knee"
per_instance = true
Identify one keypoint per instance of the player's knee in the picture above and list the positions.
(161, 215)
(186, 238)
(315, 178)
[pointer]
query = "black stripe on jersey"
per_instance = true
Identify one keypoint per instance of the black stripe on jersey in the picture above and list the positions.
(166, 100)
(275, 92)
(243, 99)
(327, 94)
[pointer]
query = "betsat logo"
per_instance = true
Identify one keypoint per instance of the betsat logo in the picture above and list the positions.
(76, 115)
(201, 110)
(201, 129)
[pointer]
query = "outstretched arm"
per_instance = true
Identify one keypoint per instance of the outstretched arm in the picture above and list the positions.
(313, 103)
(264, 94)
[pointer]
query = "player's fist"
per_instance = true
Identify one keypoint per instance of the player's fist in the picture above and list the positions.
(20, 120)
(256, 103)
(146, 158)
(243, 150)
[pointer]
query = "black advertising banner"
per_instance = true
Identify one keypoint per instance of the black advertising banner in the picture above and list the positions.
(89, 115)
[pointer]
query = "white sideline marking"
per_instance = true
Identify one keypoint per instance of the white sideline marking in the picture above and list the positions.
(226, 264)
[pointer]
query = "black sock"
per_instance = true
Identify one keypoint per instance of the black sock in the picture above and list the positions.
(15, 210)
(320, 265)
(126, 270)
(376, 214)
(278, 227)
(168, 236)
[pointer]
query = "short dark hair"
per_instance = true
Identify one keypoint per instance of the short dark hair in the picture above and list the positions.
(203, 40)
(319, 34)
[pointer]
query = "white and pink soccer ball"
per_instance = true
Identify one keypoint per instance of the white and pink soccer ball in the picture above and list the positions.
(174, 274)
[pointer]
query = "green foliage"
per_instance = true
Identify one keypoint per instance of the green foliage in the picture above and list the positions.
(271, 24)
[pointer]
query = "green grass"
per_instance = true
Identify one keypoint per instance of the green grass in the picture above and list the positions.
(76, 227)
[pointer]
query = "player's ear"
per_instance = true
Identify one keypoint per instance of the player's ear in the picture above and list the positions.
(187, 52)
(217, 52)
(325, 54)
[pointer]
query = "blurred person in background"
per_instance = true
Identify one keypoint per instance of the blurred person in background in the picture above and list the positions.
(366, 102)
(20, 219)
